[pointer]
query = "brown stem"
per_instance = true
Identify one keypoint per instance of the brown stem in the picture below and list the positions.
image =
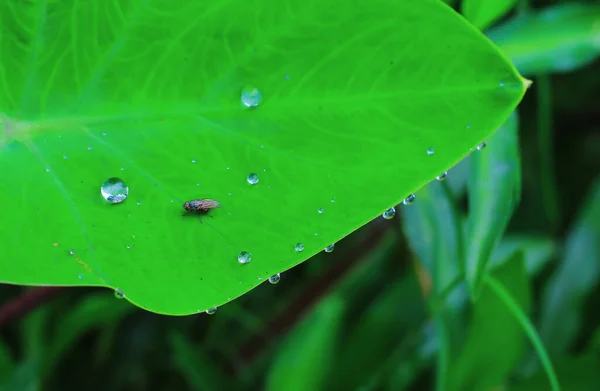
(23, 304)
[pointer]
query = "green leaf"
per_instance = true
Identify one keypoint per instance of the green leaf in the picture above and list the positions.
(496, 339)
(561, 38)
(537, 251)
(494, 192)
(351, 102)
(483, 13)
(576, 277)
(307, 355)
(7, 364)
(575, 373)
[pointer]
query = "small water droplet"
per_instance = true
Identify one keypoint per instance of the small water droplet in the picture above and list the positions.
(211, 311)
(330, 248)
(320, 210)
(71, 252)
(287, 77)
(442, 176)
(89, 148)
(114, 190)
(299, 247)
(430, 151)
(122, 168)
(251, 96)
(409, 200)
(129, 246)
(252, 179)
(333, 199)
(197, 185)
(65, 156)
(119, 294)
(244, 257)
(193, 160)
(502, 84)
(389, 213)
(260, 278)
(468, 126)
(47, 169)
(481, 146)
(139, 202)
(275, 279)
(316, 233)
(80, 276)
(104, 133)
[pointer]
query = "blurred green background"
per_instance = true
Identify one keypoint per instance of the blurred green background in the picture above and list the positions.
(387, 309)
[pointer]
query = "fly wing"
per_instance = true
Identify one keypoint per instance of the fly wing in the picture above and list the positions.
(210, 204)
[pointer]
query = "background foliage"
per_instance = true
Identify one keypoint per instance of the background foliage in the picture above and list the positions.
(388, 309)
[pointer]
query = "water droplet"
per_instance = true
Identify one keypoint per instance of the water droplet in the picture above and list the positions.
(275, 279)
(481, 146)
(193, 160)
(287, 77)
(409, 200)
(119, 294)
(114, 190)
(260, 278)
(71, 252)
(330, 248)
(139, 202)
(122, 168)
(65, 156)
(89, 148)
(430, 151)
(129, 246)
(104, 133)
(320, 210)
(333, 199)
(299, 247)
(80, 276)
(251, 96)
(244, 257)
(211, 311)
(389, 213)
(468, 126)
(252, 179)
(442, 176)
(47, 169)
(316, 233)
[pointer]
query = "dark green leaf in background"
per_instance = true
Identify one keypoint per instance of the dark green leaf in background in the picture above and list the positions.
(152, 93)
(483, 13)
(494, 193)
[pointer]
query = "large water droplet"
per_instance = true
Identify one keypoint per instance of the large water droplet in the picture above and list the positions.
(409, 200)
(442, 176)
(430, 151)
(299, 247)
(211, 311)
(330, 248)
(119, 294)
(481, 146)
(275, 279)
(244, 257)
(251, 96)
(252, 178)
(114, 190)
(389, 213)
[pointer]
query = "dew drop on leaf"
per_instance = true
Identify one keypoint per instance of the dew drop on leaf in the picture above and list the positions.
(244, 257)
(119, 294)
(320, 210)
(389, 213)
(430, 151)
(251, 96)
(71, 252)
(211, 311)
(442, 176)
(114, 190)
(409, 200)
(299, 247)
(481, 146)
(275, 278)
(252, 179)
(330, 248)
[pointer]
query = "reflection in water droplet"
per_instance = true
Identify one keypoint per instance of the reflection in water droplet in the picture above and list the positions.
(275, 279)
(252, 179)
(389, 213)
(251, 96)
(442, 176)
(409, 200)
(71, 252)
(47, 169)
(330, 248)
(119, 294)
(299, 247)
(481, 146)
(244, 257)
(430, 151)
(320, 210)
(114, 190)
(193, 160)
(211, 311)
(333, 199)
(129, 246)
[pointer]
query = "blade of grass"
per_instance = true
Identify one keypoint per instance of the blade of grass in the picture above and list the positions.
(532, 334)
